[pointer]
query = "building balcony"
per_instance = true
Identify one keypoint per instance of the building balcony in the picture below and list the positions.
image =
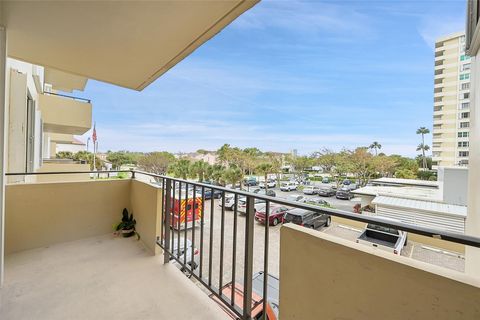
(99, 277)
(66, 115)
(59, 245)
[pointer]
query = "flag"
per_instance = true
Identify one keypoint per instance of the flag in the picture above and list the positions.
(94, 134)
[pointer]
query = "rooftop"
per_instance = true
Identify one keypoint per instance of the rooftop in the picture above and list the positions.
(405, 182)
(431, 206)
(409, 192)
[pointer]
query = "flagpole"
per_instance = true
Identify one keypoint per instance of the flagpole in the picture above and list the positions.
(94, 139)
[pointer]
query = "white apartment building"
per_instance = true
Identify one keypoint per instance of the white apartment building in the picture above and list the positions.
(451, 106)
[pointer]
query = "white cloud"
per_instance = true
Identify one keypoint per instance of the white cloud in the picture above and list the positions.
(434, 26)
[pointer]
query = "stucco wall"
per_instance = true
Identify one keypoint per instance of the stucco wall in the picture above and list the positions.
(146, 206)
(323, 277)
(41, 214)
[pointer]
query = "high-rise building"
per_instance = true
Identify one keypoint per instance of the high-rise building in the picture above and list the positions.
(451, 106)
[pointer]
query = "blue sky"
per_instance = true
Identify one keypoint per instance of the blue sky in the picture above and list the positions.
(291, 75)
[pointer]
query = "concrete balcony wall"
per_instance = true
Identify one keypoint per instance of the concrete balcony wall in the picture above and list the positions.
(42, 214)
(324, 277)
(65, 115)
(146, 204)
(62, 167)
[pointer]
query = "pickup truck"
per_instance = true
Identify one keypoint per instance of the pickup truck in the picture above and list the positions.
(383, 238)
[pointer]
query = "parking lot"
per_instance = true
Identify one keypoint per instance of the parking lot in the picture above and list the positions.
(213, 229)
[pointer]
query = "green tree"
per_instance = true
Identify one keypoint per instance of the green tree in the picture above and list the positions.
(376, 146)
(156, 162)
(64, 155)
(423, 147)
(88, 158)
(198, 170)
(119, 158)
(232, 175)
(264, 169)
(180, 168)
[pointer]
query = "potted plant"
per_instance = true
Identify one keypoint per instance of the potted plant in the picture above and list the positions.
(127, 226)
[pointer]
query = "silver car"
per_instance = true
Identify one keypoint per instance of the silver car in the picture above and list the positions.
(180, 252)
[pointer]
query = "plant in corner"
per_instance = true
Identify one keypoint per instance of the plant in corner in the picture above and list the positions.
(127, 225)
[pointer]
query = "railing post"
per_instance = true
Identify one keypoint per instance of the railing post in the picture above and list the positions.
(133, 173)
(168, 217)
(248, 272)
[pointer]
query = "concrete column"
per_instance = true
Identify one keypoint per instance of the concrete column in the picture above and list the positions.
(472, 255)
(3, 128)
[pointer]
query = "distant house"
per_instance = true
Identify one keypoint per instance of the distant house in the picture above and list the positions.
(209, 157)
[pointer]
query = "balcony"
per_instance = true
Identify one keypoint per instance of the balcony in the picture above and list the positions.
(99, 278)
(66, 115)
(59, 244)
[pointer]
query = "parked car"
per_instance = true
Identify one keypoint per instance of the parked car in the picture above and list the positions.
(326, 192)
(275, 216)
(318, 202)
(257, 297)
(325, 180)
(311, 190)
(384, 238)
(270, 183)
(346, 182)
(250, 182)
(268, 192)
(344, 193)
(288, 186)
(216, 194)
(306, 218)
(230, 201)
(296, 197)
(180, 251)
(242, 205)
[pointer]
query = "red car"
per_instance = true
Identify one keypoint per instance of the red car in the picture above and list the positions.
(275, 217)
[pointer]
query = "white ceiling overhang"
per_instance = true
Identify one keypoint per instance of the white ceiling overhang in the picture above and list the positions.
(127, 43)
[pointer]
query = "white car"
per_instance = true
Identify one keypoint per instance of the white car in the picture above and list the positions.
(270, 184)
(288, 186)
(311, 190)
(230, 201)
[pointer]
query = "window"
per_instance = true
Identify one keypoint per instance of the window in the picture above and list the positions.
(465, 95)
(465, 67)
(464, 57)
(465, 86)
(463, 153)
(465, 115)
(463, 144)
(463, 134)
(464, 124)
(465, 105)
(465, 76)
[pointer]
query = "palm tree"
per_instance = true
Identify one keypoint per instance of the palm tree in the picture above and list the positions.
(423, 131)
(423, 147)
(181, 168)
(376, 146)
(233, 176)
(199, 170)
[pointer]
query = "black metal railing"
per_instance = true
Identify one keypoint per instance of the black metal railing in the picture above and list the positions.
(190, 219)
(67, 96)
